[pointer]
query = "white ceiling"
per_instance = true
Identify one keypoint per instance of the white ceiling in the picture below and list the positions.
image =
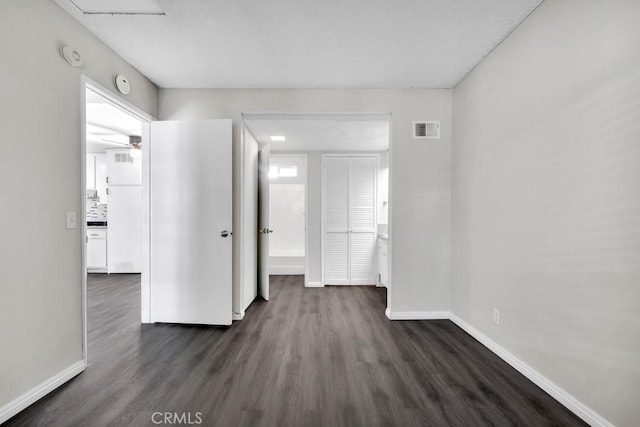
(327, 133)
(107, 125)
(303, 43)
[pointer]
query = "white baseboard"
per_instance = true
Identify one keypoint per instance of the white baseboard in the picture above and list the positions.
(41, 390)
(574, 405)
(416, 315)
(286, 269)
(237, 316)
(314, 285)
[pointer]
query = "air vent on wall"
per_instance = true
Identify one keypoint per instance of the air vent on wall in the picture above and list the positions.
(123, 158)
(426, 130)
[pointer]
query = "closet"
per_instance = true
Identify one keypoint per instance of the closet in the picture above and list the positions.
(349, 219)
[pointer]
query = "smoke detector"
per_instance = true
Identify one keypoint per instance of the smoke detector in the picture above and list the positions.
(71, 56)
(122, 84)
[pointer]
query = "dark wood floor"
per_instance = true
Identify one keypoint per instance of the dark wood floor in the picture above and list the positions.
(309, 357)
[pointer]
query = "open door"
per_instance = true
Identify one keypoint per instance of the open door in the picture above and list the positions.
(190, 222)
(263, 222)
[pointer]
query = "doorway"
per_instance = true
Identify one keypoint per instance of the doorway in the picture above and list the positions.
(189, 192)
(315, 136)
(112, 190)
(287, 214)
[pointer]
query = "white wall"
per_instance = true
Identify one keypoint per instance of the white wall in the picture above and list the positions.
(546, 199)
(419, 175)
(287, 211)
(287, 207)
(383, 188)
(40, 176)
(286, 219)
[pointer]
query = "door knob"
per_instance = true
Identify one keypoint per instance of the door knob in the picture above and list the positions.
(265, 231)
(225, 233)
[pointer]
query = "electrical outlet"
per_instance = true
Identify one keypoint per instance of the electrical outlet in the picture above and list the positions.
(496, 316)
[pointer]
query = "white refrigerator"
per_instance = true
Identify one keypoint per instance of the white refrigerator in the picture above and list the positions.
(124, 223)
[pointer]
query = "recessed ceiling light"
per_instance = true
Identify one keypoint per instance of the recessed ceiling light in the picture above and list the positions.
(278, 138)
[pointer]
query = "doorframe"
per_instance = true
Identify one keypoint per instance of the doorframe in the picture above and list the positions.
(306, 219)
(324, 197)
(146, 119)
(242, 231)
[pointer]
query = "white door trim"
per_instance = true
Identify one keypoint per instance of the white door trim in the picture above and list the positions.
(243, 233)
(306, 219)
(240, 235)
(87, 83)
(390, 216)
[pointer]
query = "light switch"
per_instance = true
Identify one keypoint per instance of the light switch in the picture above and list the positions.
(72, 222)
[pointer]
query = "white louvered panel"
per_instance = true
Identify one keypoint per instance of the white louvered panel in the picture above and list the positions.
(336, 194)
(362, 193)
(336, 259)
(363, 262)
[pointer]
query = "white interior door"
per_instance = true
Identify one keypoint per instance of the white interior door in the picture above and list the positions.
(263, 222)
(336, 220)
(249, 220)
(362, 220)
(350, 220)
(190, 222)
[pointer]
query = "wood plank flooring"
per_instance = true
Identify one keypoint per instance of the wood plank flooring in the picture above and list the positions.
(309, 357)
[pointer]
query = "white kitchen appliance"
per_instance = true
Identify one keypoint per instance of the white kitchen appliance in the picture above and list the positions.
(124, 237)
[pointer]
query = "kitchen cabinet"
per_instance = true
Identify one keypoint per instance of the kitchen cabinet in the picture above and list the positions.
(97, 250)
(101, 176)
(97, 174)
(91, 171)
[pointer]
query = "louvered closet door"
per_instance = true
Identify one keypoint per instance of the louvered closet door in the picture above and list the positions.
(350, 220)
(362, 216)
(336, 217)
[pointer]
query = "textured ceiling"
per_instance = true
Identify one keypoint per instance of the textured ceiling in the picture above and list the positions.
(327, 133)
(308, 43)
